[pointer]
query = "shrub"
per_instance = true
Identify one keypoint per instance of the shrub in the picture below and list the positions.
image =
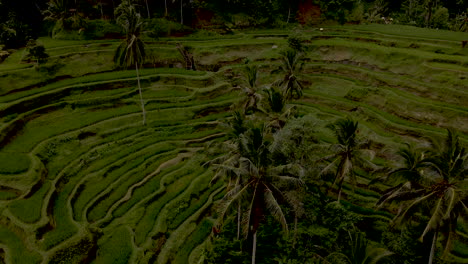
(440, 18)
(98, 29)
(160, 27)
(38, 54)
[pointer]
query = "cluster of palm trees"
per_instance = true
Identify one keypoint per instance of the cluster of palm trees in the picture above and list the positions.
(434, 187)
(434, 181)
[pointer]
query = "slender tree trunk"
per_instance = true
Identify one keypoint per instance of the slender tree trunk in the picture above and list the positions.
(295, 231)
(165, 8)
(340, 187)
(141, 95)
(238, 219)
(102, 12)
(113, 9)
(289, 15)
(254, 247)
(433, 246)
(147, 8)
(181, 14)
(429, 12)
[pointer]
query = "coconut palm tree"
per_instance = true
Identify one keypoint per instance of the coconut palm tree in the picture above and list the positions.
(263, 188)
(226, 165)
(349, 150)
(291, 68)
(252, 94)
(278, 112)
(446, 199)
(411, 174)
(449, 195)
(57, 11)
(131, 52)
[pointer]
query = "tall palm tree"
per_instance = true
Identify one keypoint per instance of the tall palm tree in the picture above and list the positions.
(57, 11)
(449, 195)
(446, 199)
(226, 165)
(251, 90)
(131, 52)
(291, 67)
(264, 187)
(411, 173)
(349, 150)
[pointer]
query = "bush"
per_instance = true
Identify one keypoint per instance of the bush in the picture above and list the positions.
(440, 18)
(14, 34)
(98, 29)
(38, 54)
(160, 27)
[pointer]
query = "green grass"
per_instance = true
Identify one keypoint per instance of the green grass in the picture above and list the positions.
(117, 248)
(29, 210)
(19, 252)
(410, 32)
(196, 238)
(13, 163)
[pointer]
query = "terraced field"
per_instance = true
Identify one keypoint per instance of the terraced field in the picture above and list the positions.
(82, 181)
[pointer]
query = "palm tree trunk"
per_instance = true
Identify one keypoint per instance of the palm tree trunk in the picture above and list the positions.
(434, 242)
(141, 95)
(102, 12)
(295, 231)
(254, 247)
(181, 14)
(340, 187)
(113, 9)
(238, 220)
(147, 8)
(165, 8)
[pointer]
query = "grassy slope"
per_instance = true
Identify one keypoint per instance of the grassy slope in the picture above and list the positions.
(106, 174)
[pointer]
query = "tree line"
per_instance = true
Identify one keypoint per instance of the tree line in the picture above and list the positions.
(24, 20)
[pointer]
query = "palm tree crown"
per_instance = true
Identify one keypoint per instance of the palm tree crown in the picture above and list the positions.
(349, 151)
(291, 68)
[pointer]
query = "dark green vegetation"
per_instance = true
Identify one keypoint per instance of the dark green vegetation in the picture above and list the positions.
(83, 181)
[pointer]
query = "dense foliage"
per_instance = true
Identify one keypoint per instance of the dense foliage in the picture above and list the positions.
(24, 20)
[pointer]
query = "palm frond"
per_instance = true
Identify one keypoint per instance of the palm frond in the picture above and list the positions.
(274, 208)
(435, 219)
(411, 206)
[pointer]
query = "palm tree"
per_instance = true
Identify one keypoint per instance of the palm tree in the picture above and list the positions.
(263, 188)
(411, 173)
(279, 113)
(226, 165)
(445, 199)
(132, 50)
(251, 90)
(291, 69)
(448, 195)
(348, 151)
(57, 11)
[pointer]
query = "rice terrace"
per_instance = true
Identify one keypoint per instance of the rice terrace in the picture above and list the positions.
(234, 145)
